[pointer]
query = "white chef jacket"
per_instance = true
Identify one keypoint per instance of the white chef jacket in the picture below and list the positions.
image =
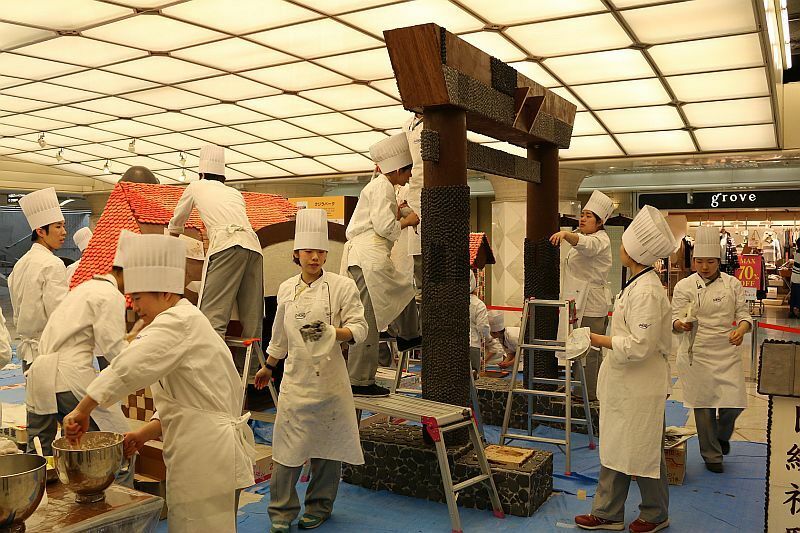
(38, 284)
(413, 129)
(376, 210)
(223, 212)
(590, 261)
(71, 269)
(478, 322)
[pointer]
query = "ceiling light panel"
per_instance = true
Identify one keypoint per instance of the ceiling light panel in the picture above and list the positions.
(77, 168)
(691, 20)
(12, 131)
(81, 51)
(657, 142)
(13, 35)
(130, 128)
(170, 98)
(729, 112)
(233, 54)
(88, 134)
(63, 14)
(623, 94)
(19, 144)
(494, 44)
(360, 142)
(534, 71)
(190, 158)
(225, 114)
(260, 169)
(32, 122)
(142, 147)
(34, 157)
(266, 150)
(625, 64)
(345, 97)
(720, 85)
(519, 12)
(141, 161)
(641, 119)
(54, 139)
(179, 175)
(273, 130)
(329, 123)
(34, 68)
(49, 92)
(223, 136)
(20, 105)
(738, 51)
(592, 146)
(73, 156)
(570, 36)
(367, 65)
(586, 124)
(316, 38)
(347, 162)
(312, 146)
(296, 76)
(230, 87)
(175, 121)
(387, 86)
(163, 69)
(233, 156)
(736, 138)
(117, 106)
(177, 141)
(441, 12)
(73, 115)
(248, 15)
(9, 81)
(564, 93)
(382, 117)
(303, 166)
(336, 7)
(153, 32)
(103, 151)
(283, 106)
(634, 3)
(101, 81)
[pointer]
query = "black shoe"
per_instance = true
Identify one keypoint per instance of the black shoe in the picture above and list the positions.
(404, 345)
(367, 391)
(385, 335)
(726, 446)
(715, 467)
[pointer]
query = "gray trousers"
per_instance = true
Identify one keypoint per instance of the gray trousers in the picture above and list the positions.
(598, 325)
(284, 504)
(711, 430)
(235, 275)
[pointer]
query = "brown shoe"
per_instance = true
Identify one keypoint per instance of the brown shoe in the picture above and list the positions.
(590, 521)
(643, 526)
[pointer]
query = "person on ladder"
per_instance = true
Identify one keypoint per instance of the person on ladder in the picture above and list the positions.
(233, 272)
(585, 277)
(710, 369)
(316, 421)
(633, 385)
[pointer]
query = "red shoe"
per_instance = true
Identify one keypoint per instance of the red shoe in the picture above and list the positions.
(643, 526)
(590, 521)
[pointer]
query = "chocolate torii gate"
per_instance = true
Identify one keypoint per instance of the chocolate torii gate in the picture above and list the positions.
(458, 87)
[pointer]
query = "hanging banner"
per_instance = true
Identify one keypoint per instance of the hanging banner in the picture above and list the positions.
(749, 273)
(334, 206)
(783, 476)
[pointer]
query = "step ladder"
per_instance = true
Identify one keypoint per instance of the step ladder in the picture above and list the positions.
(528, 321)
(438, 419)
(248, 345)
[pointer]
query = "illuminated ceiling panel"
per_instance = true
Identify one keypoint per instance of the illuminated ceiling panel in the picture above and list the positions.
(153, 32)
(345, 97)
(283, 106)
(494, 44)
(720, 85)
(329, 123)
(230, 87)
(571, 36)
(296, 76)
(247, 17)
(641, 119)
(49, 92)
(225, 114)
(81, 51)
(367, 65)
(598, 67)
(657, 142)
(521, 12)
(170, 98)
(233, 55)
(623, 94)
(738, 51)
(64, 14)
(729, 112)
(317, 38)
(736, 138)
(691, 20)
(163, 69)
(441, 12)
(592, 146)
(13, 35)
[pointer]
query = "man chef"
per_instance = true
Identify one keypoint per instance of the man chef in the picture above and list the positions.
(385, 293)
(81, 238)
(633, 385)
(38, 282)
(208, 446)
(413, 131)
(233, 271)
(704, 305)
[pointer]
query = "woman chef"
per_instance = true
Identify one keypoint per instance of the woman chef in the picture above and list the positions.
(208, 446)
(633, 385)
(585, 276)
(704, 306)
(317, 310)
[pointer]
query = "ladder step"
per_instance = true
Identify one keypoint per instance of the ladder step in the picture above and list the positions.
(514, 436)
(468, 483)
(533, 392)
(544, 347)
(551, 418)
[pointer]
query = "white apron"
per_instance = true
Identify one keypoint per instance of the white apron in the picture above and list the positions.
(208, 456)
(710, 368)
(389, 290)
(574, 288)
(413, 130)
(316, 415)
(633, 398)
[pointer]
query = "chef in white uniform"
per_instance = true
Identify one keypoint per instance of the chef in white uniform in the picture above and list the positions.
(81, 238)
(584, 276)
(710, 369)
(208, 446)
(93, 314)
(508, 337)
(413, 131)
(316, 414)
(634, 384)
(38, 281)
(385, 293)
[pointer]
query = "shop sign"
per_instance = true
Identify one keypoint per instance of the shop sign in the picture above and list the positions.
(722, 199)
(783, 475)
(749, 273)
(334, 206)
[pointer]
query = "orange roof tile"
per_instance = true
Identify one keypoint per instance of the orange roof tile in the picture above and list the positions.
(476, 242)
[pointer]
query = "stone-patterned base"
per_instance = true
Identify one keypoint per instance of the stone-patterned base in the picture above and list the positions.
(398, 460)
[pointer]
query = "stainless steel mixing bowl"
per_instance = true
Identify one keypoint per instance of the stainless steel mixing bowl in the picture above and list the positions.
(89, 468)
(22, 482)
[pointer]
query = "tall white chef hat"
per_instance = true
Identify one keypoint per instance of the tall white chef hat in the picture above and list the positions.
(118, 256)
(41, 208)
(706, 242)
(154, 263)
(601, 205)
(391, 154)
(311, 230)
(497, 321)
(473, 283)
(212, 160)
(648, 237)
(81, 238)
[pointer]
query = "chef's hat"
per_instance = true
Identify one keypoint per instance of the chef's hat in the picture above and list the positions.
(81, 238)
(41, 208)
(154, 263)
(497, 321)
(706, 242)
(601, 205)
(473, 283)
(648, 237)
(311, 230)
(118, 256)
(391, 154)
(212, 160)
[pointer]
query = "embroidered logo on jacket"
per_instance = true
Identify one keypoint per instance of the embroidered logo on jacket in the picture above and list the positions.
(644, 326)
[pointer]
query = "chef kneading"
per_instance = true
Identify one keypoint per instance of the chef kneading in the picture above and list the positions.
(208, 446)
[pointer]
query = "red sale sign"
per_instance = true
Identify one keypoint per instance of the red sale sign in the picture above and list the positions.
(749, 273)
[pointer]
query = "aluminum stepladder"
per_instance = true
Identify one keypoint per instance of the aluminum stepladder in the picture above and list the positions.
(439, 418)
(564, 306)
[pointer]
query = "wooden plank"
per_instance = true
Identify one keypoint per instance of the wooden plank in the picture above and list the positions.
(508, 455)
(468, 59)
(415, 53)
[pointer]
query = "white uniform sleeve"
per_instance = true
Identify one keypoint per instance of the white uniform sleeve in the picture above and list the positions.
(742, 308)
(645, 321)
(5, 342)
(109, 327)
(383, 213)
(482, 320)
(352, 311)
(55, 287)
(591, 245)
(182, 211)
(278, 343)
(681, 298)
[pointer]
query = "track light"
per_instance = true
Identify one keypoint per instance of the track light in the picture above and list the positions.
(132, 146)
(182, 160)
(42, 142)
(183, 174)
(106, 168)
(60, 155)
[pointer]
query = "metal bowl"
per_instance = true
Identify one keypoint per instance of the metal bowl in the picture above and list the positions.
(89, 468)
(22, 483)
